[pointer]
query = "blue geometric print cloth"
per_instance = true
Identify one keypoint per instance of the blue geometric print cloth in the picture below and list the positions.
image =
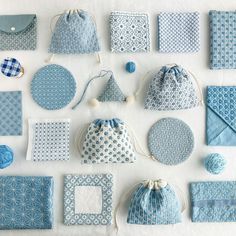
(178, 32)
(75, 33)
(221, 116)
(151, 206)
(75, 214)
(129, 32)
(11, 113)
(26, 202)
(10, 67)
(222, 39)
(53, 87)
(213, 201)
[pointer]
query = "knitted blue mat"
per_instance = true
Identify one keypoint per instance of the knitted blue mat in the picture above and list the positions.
(11, 113)
(170, 141)
(53, 87)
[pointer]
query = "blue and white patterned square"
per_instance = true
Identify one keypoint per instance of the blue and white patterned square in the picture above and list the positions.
(88, 199)
(129, 32)
(222, 39)
(11, 113)
(49, 140)
(178, 32)
(26, 202)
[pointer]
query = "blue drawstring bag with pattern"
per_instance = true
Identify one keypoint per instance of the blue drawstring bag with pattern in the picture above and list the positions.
(74, 33)
(154, 202)
(172, 88)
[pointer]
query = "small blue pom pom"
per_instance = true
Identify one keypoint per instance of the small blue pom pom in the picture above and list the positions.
(215, 163)
(130, 67)
(6, 156)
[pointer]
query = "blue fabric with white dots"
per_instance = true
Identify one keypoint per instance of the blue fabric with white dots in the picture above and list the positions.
(222, 39)
(26, 202)
(221, 116)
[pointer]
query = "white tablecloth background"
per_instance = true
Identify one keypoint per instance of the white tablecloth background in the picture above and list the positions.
(83, 67)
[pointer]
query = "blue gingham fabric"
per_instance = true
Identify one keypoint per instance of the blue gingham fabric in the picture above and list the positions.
(11, 67)
(222, 39)
(178, 32)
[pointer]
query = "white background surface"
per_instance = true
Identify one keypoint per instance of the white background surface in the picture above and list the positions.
(83, 67)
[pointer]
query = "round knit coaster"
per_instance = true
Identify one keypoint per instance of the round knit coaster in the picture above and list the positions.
(53, 87)
(170, 141)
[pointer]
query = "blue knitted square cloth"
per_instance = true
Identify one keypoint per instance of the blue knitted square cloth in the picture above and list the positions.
(222, 39)
(178, 32)
(11, 113)
(213, 201)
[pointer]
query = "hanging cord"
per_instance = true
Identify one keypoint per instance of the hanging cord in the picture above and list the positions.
(199, 87)
(138, 147)
(101, 74)
(124, 197)
(78, 139)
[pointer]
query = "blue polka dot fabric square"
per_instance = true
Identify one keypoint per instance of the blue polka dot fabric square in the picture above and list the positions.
(222, 39)
(88, 199)
(49, 140)
(178, 32)
(11, 113)
(129, 32)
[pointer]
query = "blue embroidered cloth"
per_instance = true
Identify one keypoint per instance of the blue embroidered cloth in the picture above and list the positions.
(221, 116)
(213, 201)
(222, 39)
(178, 32)
(11, 113)
(151, 206)
(26, 202)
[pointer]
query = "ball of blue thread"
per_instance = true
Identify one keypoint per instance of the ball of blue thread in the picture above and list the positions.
(130, 67)
(6, 156)
(215, 163)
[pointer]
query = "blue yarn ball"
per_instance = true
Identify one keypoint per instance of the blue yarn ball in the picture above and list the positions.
(130, 67)
(6, 156)
(214, 163)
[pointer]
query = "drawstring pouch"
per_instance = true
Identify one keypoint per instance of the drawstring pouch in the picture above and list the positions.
(154, 202)
(74, 33)
(110, 93)
(107, 141)
(172, 89)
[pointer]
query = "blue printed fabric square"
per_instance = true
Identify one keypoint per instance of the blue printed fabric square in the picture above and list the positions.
(49, 140)
(221, 116)
(88, 199)
(129, 32)
(178, 32)
(26, 202)
(222, 39)
(213, 201)
(11, 113)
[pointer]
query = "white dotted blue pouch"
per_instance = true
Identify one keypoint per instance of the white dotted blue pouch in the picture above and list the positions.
(222, 39)
(88, 199)
(26, 202)
(172, 89)
(107, 141)
(154, 202)
(49, 140)
(178, 32)
(213, 201)
(129, 32)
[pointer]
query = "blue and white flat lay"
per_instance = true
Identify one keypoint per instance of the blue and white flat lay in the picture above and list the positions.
(53, 87)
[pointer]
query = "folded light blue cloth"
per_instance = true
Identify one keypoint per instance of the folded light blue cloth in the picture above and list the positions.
(221, 115)
(222, 39)
(26, 202)
(213, 201)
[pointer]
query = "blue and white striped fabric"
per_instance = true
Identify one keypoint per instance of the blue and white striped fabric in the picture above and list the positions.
(154, 203)
(11, 67)
(178, 32)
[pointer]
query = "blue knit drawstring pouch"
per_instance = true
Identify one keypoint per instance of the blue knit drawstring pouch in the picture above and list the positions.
(154, 202)
(74, 33)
